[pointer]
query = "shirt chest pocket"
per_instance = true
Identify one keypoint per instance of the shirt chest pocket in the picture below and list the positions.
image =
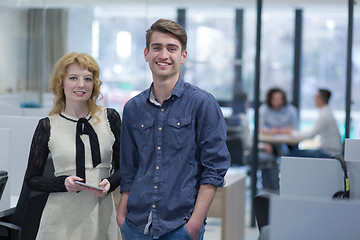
(179, 132)
(143, 132)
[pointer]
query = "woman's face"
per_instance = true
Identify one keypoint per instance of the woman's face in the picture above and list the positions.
(277, 100)
(78, 84)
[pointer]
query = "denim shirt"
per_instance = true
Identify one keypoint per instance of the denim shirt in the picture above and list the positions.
(167, 152)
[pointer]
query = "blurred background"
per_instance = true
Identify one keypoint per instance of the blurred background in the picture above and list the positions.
(221, 48)
(304, 46)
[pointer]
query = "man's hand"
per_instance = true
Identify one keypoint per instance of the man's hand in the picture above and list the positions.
(203, 201)
(122, 210)
(194, 228)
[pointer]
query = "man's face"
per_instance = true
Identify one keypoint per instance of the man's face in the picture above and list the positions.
(318, 100)
(164, 56)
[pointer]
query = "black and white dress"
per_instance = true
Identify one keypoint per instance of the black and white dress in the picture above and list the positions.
(71, 215)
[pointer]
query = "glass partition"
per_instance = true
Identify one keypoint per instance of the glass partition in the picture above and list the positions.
(323, 64)
(355, 107)
(277, 50)
(13, 49)
(211, 55)
(118, 43)
(35, 34)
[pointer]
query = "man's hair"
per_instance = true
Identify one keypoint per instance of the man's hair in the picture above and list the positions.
(167, 26)
(325, 95)
(270, 94)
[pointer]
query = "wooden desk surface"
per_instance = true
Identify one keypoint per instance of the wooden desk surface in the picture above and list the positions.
(279, 138)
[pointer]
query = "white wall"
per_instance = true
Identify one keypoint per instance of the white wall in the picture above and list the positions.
(5, 165)
(20, 136)
(13, 43)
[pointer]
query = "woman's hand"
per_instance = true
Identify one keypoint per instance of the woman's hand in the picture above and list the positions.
(71, 186)
(103, 184)
(269, 131)
(285, 130)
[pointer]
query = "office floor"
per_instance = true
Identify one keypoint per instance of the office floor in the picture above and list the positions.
(213, 230)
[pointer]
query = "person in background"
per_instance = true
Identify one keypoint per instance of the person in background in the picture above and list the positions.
(173, 154)
(83, 140)
(276, 116)
(326, 127)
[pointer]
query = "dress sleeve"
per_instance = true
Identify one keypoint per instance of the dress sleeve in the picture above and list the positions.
(115, 125)
(38, 156)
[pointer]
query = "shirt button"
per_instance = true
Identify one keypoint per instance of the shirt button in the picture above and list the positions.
(158, 147)
(162, 110)
(178, 123)
(157, 167)
(142, 125)
(160, 128)
(155, 187)
(153, 206)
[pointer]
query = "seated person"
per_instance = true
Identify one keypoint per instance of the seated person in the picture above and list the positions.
(267, 160)
(276, 116)
(326, 127)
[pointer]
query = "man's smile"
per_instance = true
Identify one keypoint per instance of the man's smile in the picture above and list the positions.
(163, 64)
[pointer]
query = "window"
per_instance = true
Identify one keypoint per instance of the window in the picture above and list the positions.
(324, 63)
(210, 62)
(115, 36)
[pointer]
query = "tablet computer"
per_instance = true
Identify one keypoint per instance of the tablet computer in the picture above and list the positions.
(90, 186)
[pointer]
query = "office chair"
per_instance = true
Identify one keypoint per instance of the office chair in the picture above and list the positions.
(261, 204)
(3, 180)
(24, 222)
(236, 151)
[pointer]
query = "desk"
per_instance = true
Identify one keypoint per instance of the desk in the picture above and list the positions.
(279, 139)
(281, 142)
(229, 205)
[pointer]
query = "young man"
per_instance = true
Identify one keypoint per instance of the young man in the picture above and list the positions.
(326, 127)
(173, 153)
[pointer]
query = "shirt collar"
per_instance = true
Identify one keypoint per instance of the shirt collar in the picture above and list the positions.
(177, 91)
(152, 98)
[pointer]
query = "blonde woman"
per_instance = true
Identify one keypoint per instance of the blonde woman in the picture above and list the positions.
(83, 139)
